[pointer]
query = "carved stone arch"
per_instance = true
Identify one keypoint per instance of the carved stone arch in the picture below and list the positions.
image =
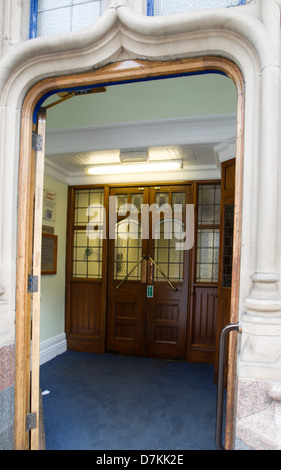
(123, 46)
(120, 71)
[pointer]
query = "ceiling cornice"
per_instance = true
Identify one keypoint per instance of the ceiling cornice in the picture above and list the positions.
(181, 131)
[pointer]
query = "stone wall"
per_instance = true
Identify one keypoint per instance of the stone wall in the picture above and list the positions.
(7, 361)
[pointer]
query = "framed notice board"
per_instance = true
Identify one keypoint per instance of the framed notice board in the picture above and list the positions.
(49, 254)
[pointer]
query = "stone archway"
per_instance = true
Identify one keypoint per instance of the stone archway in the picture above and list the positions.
(121, 71)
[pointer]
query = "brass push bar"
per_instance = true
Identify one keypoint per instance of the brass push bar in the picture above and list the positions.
(144, 257)
(130, 273)
(164, 275)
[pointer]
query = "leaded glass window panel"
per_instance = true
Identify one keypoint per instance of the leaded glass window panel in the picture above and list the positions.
(166, 256)
(87, 204)
(127, 249)
(209, 204)
(207, 255)
(208, 232)
(87, 256)
(168, 7)
(121, 202)
(88, 233)
(178, 199)
(136, 201)
(162, 200)
(63, 16)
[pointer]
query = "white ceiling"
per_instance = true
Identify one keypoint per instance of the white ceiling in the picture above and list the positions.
(201, 142)
(76, 162)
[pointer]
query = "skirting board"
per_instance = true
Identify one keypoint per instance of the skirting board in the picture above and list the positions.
(52, 348)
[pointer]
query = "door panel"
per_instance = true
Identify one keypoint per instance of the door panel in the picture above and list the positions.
(126, 292)
(226, 250)
(204, 324)
(166, 312)
(125, 321)
(85, 320)
(166, 323)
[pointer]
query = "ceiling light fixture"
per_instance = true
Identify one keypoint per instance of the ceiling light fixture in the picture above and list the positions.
(133, 156)
(167, 165)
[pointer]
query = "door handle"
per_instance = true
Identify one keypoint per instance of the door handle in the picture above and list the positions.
(164, 275)
(220, 390)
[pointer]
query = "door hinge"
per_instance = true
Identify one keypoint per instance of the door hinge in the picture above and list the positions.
(31, 421)
(32, 284)
(37, 141)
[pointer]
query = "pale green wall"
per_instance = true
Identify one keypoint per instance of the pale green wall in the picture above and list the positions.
(161, 99)
(53, 285)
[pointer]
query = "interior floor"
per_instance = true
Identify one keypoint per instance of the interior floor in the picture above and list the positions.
(108, 402)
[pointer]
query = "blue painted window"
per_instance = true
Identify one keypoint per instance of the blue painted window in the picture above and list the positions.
(49, 17)
(166, 7)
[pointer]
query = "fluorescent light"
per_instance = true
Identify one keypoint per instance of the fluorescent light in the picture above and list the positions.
(167, 165)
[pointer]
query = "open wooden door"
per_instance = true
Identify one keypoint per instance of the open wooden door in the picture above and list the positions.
(27, 405)
(36, 283)
(226, 250)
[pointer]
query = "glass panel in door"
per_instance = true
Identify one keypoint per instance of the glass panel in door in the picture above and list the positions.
(167, 257)
(127, 250)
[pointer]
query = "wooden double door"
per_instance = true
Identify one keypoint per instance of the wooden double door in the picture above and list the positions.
(148, 270)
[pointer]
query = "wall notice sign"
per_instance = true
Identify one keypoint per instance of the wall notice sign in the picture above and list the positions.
(49, 205)
(150, 291)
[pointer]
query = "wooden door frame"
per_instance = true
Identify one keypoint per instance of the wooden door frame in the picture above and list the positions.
(117, 72)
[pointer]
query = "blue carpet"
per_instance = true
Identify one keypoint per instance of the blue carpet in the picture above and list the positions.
(105, 402)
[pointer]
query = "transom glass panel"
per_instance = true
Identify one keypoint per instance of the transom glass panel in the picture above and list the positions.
(136, 201)
(209, 197)
(178, 199)
(129, 203)
(168, 7)
(161, 199)
(87, 203)
(63, 16)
